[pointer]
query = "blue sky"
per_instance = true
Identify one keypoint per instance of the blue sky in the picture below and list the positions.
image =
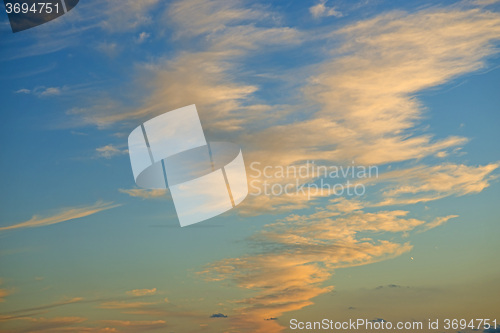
(411, 89)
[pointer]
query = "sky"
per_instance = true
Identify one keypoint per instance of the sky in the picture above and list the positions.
(407, 88)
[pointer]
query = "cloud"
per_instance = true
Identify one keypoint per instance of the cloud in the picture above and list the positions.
(437, 222)
(51, 91)
(23, 91)
(211, 71)
(127, 15)
(122, 302)
(320, 10)
(268, 204)
(290, 276)
(137, 325)
(125, 305)
(300, 255)
(367, 110)
(145, 194)
(389, 286)
(218, 315)
(110, 151)
(365, 92)
(142, 292)
(201, 17)
(109, 49)
(66, 214)
(427, 183)
(358, 104)
(4, 293)
(47, 306)
(50, 324)
(143, 36)
(43, 91)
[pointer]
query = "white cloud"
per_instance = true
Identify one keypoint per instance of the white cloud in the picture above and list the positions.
(109, 49)
(110, 151)
(23, 91)
(126, 15)
(199, 17)
(43, 91)
(51, 91)
(143, 36)
(321, 10)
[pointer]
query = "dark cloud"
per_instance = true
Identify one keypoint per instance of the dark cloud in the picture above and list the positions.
(492, 330)
(218, 315)
(391, 286)
(379, 320)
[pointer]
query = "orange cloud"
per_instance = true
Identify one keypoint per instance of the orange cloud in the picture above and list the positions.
(142, 292)
(305, 251)
(125, 305)
(4, 293)
(64, 215)
(145, 194)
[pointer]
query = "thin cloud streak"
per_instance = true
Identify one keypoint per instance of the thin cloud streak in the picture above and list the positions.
(64, 215)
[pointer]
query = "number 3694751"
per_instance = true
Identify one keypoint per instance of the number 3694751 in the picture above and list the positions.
(35, 8)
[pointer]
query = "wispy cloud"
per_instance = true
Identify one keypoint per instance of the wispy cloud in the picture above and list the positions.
(126, 15)
(202, 17)
(210, 71)
(110, 151)
(143, 36)
(437, 222)
(368, 109)
(301, 257)
(142, 292)
(110, 49)
(123, 305)
(321, 10)
(23, 91)
(50, 324)
(47, 306)
(145, 194)
(137, 325)
(4, 292)
(428, 183)
(66, 214)
(43, 91)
